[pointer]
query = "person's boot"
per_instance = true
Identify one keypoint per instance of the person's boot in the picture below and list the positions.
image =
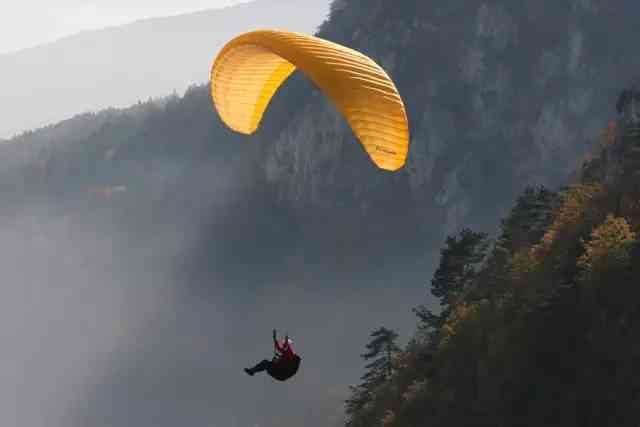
(248, 371)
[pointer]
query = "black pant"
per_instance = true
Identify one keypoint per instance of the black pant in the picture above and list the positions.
(265, 365)
(280, 369)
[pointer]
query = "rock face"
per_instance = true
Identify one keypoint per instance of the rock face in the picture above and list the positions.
(499, 95)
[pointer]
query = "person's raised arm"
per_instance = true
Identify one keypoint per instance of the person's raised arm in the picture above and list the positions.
(276, 344)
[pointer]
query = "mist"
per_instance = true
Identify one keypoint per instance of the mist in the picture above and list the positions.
(105, 322)
(70, 298)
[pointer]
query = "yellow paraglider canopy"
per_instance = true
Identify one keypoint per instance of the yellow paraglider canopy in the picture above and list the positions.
(250, 68)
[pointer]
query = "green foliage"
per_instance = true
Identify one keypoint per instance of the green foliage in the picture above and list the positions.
(528, 220)
(544, 330)
(525, 225)
(459, 261)
(381, 353)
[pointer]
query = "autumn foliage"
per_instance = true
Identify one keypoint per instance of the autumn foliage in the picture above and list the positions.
(538, 326)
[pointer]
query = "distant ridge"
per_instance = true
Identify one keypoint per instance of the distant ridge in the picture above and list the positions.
(119, 65)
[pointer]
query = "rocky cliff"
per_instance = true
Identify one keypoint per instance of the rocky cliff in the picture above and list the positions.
(500, 94)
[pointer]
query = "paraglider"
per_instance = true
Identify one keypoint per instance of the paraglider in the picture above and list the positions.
(283, 365)
(250, 68)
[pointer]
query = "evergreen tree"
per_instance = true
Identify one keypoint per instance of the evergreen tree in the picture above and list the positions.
(459, 262)
(380, 352)
(355, 404)
(525, 225)
(528, 220)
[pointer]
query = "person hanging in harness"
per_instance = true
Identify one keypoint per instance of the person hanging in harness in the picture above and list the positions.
(285, 362)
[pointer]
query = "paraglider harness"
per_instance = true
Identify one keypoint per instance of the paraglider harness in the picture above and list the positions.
(282, 366)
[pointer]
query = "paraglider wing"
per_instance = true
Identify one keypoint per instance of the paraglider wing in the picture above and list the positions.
(250, 68)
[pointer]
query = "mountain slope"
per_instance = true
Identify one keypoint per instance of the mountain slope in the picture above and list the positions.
(295, 222)
(543, 331)
(494, 103)
(121, 65)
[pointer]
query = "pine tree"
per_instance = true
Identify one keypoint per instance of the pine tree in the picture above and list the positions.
(523, 227)
(380, 352)
(528, 219)
(459, 261)
(355, 404)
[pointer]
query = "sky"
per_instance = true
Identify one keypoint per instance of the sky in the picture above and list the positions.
(28, 23)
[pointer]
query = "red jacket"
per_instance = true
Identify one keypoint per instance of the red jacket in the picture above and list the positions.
(285, 350)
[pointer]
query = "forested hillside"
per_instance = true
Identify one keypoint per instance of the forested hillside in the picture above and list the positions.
(536, 327)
